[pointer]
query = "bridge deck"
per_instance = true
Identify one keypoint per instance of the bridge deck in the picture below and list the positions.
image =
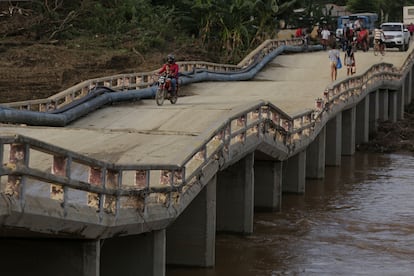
(142, 132)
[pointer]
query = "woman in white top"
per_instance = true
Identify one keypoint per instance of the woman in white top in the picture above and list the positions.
(325, 37)
(333, 56)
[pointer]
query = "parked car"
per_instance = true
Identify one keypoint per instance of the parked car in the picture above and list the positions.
(396, 35)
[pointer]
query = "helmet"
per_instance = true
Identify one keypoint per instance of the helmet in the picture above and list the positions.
(170, 58)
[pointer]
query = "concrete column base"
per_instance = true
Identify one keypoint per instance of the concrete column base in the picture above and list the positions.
(191, 239)
(393, 105)
(383, 105)
(267, 185)
(49, 257)
(410, 86)
(362, 121)
(348, 131)
(235, 197)
(333, 150)
(134, 255)
(315, 157)
(373, 112)
(294, 174)
(400, 103)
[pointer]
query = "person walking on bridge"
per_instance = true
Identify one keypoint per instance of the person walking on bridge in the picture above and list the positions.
(325, 37)
(333, 56)
(349, 60)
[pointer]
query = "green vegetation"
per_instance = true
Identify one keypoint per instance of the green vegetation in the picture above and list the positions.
(230, 28)
(227, 27)
(387, 10)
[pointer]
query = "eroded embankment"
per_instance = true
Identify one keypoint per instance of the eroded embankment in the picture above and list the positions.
(393, 136)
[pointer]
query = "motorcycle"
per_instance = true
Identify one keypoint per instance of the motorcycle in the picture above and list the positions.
(164, 92)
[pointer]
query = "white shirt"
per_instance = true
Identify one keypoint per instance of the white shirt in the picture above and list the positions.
(325, 34)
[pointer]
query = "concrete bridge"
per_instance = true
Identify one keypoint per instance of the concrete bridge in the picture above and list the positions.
(133, 186)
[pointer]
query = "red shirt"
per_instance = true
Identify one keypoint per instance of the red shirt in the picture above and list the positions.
(362, 34)
(173, 69)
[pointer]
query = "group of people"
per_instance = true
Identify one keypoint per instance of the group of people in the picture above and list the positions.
(171, 69)
(349, 56)
(357, 36)
(335, 58)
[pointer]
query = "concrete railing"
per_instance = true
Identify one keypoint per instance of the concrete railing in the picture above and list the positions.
(136, 81)
(109, 188)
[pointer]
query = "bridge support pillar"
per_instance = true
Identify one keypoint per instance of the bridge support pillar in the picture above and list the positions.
(235, 196)
(407, 87)
(49, 257)
(373, 112)
(400, 102)
(268, 185)
(383, 105)
(142, 254)
(410, 86)
(362, 121)
(334, 141)
(393, 109)
(348, 131)
(315, 156)
(191, 238)
(294, 173)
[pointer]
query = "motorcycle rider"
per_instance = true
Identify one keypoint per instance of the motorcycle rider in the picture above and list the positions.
(171, 70)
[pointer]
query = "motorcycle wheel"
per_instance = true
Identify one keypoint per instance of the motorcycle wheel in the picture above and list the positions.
(159, 96)
(174, 98)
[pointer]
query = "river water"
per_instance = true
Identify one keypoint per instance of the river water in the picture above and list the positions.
(359, 220)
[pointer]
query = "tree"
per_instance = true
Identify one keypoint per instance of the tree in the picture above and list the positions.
(356, 6)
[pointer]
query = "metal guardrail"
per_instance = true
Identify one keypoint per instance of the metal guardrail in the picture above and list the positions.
(109, 187)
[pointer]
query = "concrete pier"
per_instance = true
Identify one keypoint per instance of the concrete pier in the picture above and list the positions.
(362, 121)
(400, 103)
(383, 104)
(373, 112)
(409, 89)
(348, 131)
(235, 197)
(268, 185)
(393, 105)
(294, 173)
(134, 255)
(315, 166)
(334, 141)
(191, 238)
(64, 257)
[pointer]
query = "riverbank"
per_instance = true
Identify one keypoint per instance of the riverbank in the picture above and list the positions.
(393, 137)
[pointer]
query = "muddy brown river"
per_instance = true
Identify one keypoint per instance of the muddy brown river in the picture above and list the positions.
(359, 220)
